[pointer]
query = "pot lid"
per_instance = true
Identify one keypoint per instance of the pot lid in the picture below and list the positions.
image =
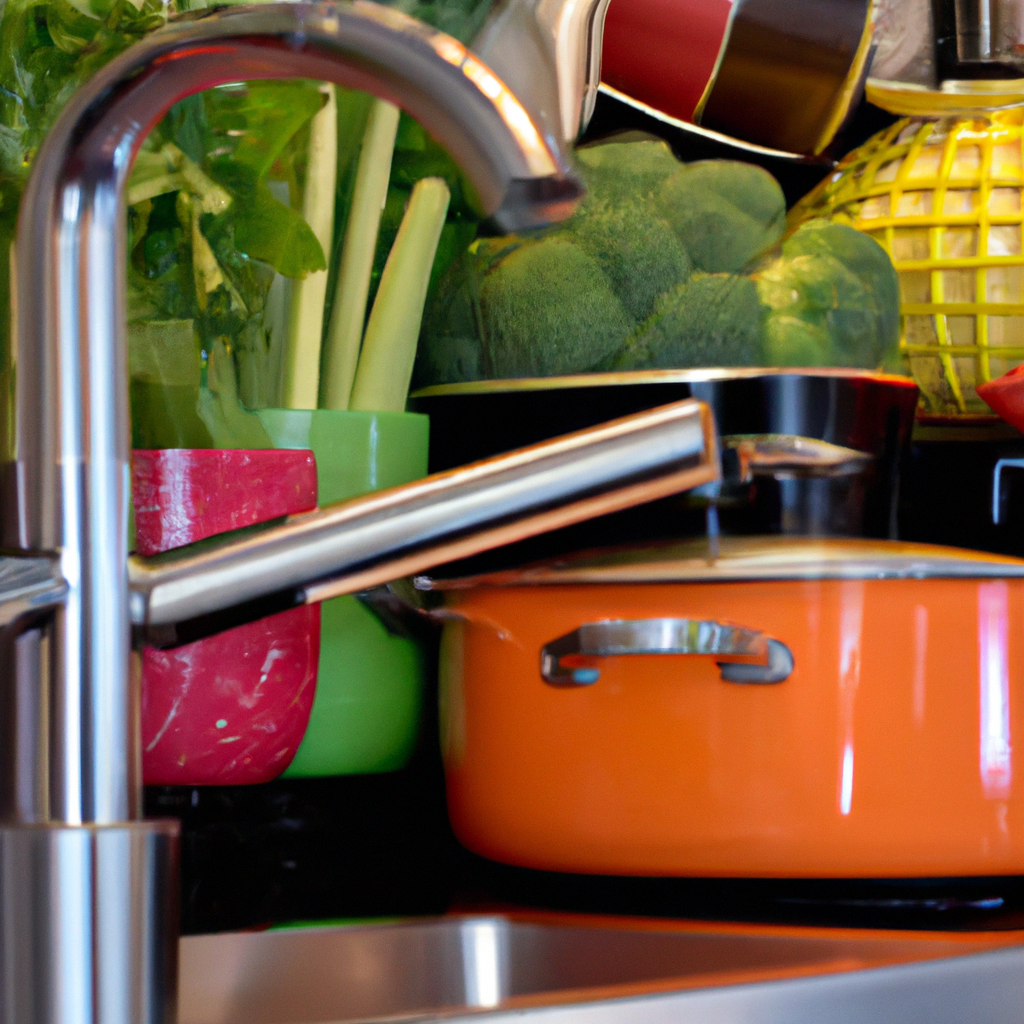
(691, 376)
(751, 558)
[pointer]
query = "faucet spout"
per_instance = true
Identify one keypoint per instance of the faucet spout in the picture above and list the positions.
(71, 425)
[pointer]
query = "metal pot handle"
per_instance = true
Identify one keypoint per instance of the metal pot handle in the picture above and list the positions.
(743, 655)
(790, 455)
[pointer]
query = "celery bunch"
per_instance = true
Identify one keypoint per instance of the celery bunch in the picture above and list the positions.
(374, 374)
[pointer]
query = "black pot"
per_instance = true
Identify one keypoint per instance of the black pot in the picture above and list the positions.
(868, 412)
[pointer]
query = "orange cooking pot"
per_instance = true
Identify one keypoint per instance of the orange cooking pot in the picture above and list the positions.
(791, 708)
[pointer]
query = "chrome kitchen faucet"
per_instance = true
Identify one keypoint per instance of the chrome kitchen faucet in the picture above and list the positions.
(88, 898)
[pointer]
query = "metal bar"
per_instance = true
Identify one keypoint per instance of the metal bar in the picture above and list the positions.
(88, 924)
(358, 544)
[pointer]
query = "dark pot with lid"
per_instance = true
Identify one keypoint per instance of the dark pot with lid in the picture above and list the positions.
(814, 452)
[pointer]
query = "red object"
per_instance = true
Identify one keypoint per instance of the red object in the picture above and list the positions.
(1005, 397)
(183, 495)
(233, 708)
(663, 52)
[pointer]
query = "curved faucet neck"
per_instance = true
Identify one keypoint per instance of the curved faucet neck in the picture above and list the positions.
(71, 427)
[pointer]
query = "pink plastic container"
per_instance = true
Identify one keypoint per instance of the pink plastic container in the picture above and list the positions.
(230, 709)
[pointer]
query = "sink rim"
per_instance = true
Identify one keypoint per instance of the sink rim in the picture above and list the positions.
(881, 949)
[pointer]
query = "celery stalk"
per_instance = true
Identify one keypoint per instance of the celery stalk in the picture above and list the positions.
(389, 348)
(345, 333)
(306, 314)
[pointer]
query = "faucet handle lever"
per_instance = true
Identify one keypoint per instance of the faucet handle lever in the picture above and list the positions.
(358, 544)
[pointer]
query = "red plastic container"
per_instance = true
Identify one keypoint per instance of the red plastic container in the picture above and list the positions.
(231, 709)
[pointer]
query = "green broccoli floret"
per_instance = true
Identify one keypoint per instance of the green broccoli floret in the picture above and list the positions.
(520, 308)
(710, 320)
(620, 227)
(791, 341)
(833, 297)
(638, 251)
(614, 288)
(724, 212)
(626, 171)
(547, 309)
(449, 350)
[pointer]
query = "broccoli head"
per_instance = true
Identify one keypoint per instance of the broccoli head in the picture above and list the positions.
(626, 171)
(450, 349)
(637, 250)
(710, 320)
(547, 309)
(654, 271)
(520, 308)
(724, 212)
(833, 299)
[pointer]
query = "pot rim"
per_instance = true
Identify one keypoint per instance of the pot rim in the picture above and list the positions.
(689, 376)
(742, 559)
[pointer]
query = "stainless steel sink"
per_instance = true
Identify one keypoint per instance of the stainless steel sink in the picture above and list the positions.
(573, 970)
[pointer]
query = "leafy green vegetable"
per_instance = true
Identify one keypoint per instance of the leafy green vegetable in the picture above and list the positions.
(165, 386)
(833, 300)
(419, 156)
(710, 320)
(214, 198)
(541, 307)
(619, 225)
(657, 270)
(252, 123)
(450, 342)
(627, 171)
(389, 347)
(549, 310)
(207, 232)
(638, 251)
(303, 348)
(356, 256)
(274, 233)
(48, 49)
(207, 248)
(230, 425)
(725, 213)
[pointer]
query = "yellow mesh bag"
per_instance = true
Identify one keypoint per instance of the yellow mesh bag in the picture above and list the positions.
(943, 197)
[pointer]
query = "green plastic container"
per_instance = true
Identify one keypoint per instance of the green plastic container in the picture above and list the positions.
(369, 689)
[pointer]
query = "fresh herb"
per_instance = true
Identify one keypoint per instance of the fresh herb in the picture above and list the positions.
(211, 215)
(230, 213)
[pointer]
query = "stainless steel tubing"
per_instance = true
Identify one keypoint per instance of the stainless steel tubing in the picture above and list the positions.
(81, 883)
(88, 923)
(362, 543)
